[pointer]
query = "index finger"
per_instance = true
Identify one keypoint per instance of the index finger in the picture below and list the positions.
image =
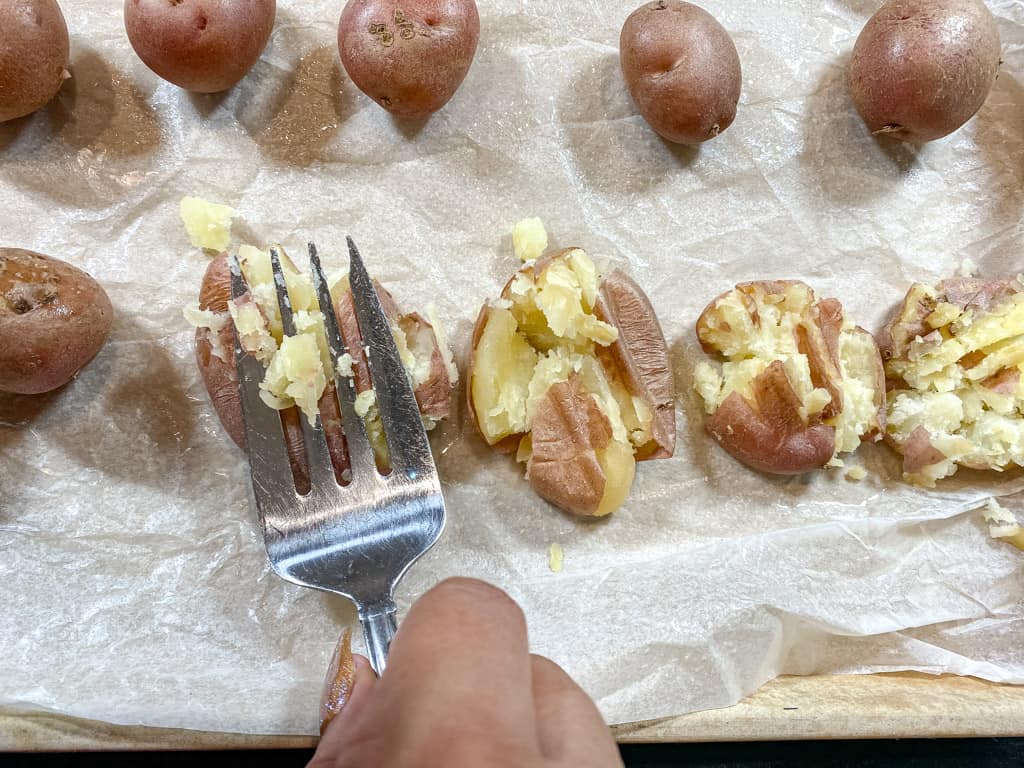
(462, 654)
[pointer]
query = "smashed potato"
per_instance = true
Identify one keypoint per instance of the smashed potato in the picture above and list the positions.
(299, 375)
(954, 355)
(797, 384)
(570, 372)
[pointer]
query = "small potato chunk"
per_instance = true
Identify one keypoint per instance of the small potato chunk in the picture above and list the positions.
(570, 372)
(409, 56)
(797, 383)
(682, 69)
(922, 68)
(954, 355)
(54, 318)
(34, 52)
(205, 46)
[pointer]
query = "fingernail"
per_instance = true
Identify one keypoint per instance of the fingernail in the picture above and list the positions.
(340, 680)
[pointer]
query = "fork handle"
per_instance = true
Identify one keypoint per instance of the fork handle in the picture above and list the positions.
(379, 626)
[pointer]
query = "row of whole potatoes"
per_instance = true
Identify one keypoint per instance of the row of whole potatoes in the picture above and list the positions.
(920, 68)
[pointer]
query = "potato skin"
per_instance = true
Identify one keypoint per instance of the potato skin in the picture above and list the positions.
(409, 56)
(640, 355)
(921, 68)
(204, 46)
(682, 69)
(54, 318)
(33, 55)
(773, 438)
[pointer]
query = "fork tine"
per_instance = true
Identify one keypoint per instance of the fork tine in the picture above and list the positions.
(318, 457)
(264, 436)
(361, 457)
(403, 427)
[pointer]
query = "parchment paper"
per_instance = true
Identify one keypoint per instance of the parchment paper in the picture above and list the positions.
(135, 587)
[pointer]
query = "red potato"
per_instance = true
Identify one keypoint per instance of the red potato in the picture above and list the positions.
(578, 410)
(54, 318)
(204, 46)
(221, 380)
(33, 55)
(953, 358)
(796, 384)
(922, 68)
(409, 56)
(682, 69)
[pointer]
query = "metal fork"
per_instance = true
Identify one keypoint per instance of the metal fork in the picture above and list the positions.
(357, 539)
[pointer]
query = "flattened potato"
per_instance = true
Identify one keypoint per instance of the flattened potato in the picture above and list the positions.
(796, 385)
(428, 365)
(954, 356)
(54, 318)
(570, 372)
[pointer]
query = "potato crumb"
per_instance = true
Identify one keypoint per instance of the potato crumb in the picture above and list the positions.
(529, 239)
(208, 224)
(344, 366)
(364, 401)
(968, 268)
(556, 557)
(856, 473)
(1002, 524)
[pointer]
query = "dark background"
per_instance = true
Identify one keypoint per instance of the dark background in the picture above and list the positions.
(990, 753)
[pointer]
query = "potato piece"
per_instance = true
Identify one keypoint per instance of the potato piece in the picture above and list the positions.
(411, 56)
(529, 239)
(798, 385)
(921, 68)
(503, 364)
(208, 224)
(575, 463)
(954, 357)
(54, 318)
(205, 46)
(641, 358)
(682, 69)
(570, 372)
(34, 51)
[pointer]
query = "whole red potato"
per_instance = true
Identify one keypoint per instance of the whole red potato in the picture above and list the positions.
(33, 55)
(921, 68)
(682, 70)
(204, 46)
(410, 56)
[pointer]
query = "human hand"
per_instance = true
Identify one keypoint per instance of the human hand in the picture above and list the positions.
(462, 690)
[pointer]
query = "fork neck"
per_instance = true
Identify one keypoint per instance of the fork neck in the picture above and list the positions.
(379, 623)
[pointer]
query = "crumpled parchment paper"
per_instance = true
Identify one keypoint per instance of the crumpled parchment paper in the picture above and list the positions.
(135, 587)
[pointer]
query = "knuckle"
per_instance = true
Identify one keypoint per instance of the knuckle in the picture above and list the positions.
(478, 594)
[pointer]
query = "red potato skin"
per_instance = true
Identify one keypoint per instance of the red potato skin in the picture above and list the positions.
(772, 438)
(640, 355)
(409, 56)
(682, 70)
(34, 51)
(205, 46)
(568, 430)
(54, 318)
(922, 68)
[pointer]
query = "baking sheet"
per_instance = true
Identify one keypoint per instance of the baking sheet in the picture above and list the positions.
(135, 585)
